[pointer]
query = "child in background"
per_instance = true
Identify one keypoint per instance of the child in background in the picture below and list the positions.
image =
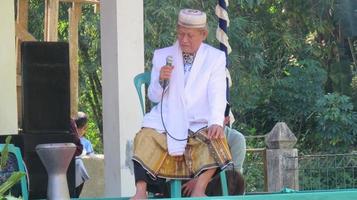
(82, 124)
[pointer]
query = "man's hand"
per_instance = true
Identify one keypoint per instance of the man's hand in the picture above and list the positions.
(215, 131)
(188, 186)
(165, 72)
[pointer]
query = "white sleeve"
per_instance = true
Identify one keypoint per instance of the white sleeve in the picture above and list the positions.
(155, 89)
(217, 91)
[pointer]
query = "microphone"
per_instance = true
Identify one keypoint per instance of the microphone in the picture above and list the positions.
(169, 61)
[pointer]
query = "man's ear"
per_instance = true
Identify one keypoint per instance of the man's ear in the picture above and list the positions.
(204, 34)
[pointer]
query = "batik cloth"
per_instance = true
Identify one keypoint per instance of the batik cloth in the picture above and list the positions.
(201, 153)
(188, 59)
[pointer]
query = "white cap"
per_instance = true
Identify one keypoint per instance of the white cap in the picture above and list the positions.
(191, 18)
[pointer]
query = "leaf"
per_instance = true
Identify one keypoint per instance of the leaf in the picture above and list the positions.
(5, 153)
(11, 181)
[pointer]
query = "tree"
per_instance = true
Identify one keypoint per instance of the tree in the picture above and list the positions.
(287, 55)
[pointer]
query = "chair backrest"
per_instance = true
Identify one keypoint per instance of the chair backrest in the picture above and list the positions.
(20, 163)
(140, 80)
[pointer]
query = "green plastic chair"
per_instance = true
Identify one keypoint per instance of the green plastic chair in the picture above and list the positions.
(139, 81)
(20, 163)
(175, 185)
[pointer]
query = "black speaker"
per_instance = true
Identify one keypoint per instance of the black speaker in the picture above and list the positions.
(45, 87)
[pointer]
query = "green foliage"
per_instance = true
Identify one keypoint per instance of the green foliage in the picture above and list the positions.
(354, 91)
(340, 77)
(90, 74)
(36, 18)
(92, 135)
(294, 96)
(336, 121)
(253, 172)
(345, 13)
(10, 182)
(286, 55)
(323, 172)
(5, 153)
(63, 22)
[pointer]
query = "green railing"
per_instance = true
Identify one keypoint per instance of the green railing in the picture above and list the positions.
(332, 171)
(316, 172)
(255, 170)
(254, 167)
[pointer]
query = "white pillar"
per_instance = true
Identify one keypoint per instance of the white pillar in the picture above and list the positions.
(122, 45)
(8, 105)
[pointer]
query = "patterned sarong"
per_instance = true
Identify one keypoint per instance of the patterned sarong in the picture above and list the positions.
(201, 153)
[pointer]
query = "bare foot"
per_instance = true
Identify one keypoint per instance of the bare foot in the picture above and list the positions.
(201, 184)
(198, 194)
(140, 191)
(139, 196)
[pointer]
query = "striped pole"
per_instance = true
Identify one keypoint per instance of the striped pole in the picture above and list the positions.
(221, 35)
(223, 23)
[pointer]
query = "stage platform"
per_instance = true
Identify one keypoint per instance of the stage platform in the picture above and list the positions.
(350, 194)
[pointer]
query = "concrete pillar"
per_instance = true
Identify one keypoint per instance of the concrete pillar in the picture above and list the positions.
(8, 105)
(282, 158)
(122, 46)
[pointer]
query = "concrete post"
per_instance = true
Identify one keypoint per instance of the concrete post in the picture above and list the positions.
(122, 47)
(8, 100)
(282, 158)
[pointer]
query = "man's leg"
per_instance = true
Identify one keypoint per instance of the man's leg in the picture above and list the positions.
(140, 182)
(78, 190)
(202, 182)
(140, 190)
(145, 183)
(237, 145)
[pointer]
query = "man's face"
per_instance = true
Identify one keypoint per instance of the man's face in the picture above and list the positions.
(190, 39)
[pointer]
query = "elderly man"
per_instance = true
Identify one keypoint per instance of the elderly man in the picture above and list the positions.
(183, 136)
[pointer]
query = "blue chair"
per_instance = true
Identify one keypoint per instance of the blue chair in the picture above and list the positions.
(20, 163)
(143, 79)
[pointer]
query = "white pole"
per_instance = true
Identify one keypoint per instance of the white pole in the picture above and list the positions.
(122, 45)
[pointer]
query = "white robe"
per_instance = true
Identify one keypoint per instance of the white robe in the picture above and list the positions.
(198, 104)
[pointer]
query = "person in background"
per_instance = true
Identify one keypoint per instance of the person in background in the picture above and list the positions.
(81, 124)
(237, 145)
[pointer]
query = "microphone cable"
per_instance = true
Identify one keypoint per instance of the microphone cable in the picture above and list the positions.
(162, 119)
